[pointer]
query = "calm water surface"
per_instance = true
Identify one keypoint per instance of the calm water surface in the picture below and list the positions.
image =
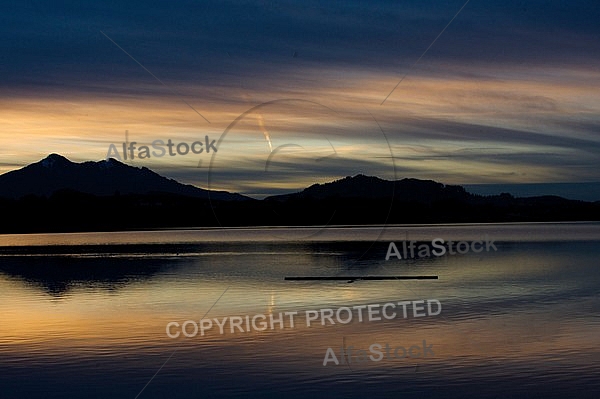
(85, 315)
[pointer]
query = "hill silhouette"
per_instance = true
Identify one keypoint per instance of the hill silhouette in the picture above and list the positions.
(56, 194)
(372, 188)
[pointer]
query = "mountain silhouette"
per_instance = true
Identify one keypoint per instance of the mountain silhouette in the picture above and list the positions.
(57, 195)
(370, 187)
(56, 173)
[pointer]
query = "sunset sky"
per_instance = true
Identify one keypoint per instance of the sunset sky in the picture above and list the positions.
(509, 93)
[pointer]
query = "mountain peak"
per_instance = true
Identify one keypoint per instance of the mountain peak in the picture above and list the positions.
(110, 162)
(53, 160)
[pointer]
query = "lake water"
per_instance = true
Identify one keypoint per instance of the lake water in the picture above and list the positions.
(85, 315)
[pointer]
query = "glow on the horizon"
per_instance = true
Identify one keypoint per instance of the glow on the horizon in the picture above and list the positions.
(422, 120)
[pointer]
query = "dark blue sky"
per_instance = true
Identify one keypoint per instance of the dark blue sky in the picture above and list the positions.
(59, 43)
